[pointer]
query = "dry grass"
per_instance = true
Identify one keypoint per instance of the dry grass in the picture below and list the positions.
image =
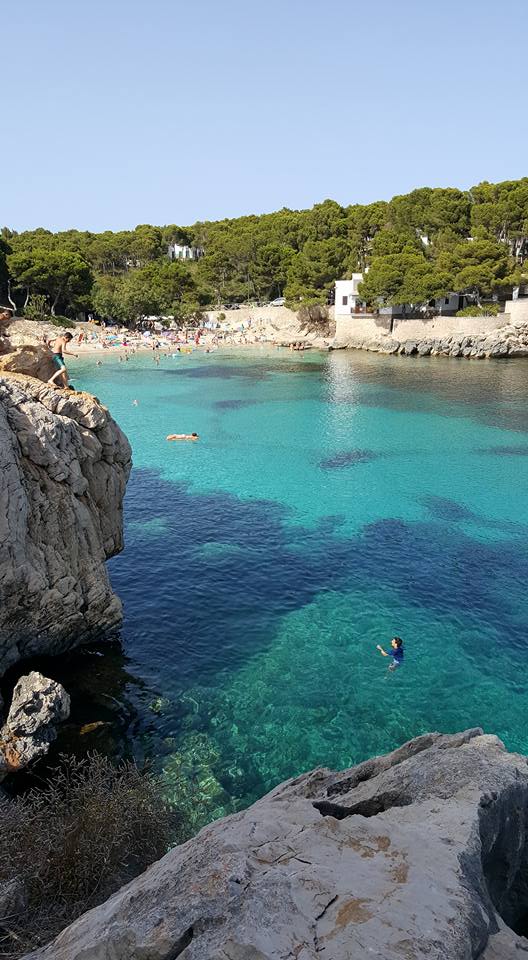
(92, 828)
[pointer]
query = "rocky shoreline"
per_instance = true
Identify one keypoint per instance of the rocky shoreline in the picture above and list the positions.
(510, 340)
(421, 853)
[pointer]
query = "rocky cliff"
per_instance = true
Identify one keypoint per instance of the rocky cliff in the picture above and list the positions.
(64, 465)
(421, 853)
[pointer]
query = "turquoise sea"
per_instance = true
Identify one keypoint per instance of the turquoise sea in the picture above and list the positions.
(332, 501)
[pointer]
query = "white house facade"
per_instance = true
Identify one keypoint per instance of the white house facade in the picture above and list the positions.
(347, 298)
(177, 251)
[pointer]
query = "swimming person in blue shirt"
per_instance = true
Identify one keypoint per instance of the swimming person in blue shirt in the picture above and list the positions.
(396, 652)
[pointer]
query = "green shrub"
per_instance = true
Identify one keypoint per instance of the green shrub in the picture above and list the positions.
(488, 310)
(37, 307)
(73, 843)
(62, 322)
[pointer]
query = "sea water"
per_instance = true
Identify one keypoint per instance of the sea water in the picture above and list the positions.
(332, 501)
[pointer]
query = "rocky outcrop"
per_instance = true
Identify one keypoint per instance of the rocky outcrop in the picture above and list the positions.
(64, 464)
(509, 340)
(421, 853)
(33, 359)
(23, 348)
(37, 706)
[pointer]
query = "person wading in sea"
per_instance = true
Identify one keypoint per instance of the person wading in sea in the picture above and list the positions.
(58, 349)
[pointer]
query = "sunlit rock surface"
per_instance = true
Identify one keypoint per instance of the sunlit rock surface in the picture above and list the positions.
(419, 853)
(64, 464)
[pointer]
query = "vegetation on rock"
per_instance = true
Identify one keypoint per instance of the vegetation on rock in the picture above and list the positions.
(67, 847)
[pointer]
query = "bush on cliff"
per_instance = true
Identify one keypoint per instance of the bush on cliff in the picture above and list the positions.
(62, 322)
(69, 846)
(487, 310)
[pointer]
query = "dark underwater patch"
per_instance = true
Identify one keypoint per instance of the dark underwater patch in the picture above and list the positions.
(515, 450)
(442, 508)
(234, 404)
(240, 371)
(450, 511)
(220, 371)
(348, 458)
(183, 617)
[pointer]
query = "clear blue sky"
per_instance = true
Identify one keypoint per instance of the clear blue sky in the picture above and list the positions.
(117, 113)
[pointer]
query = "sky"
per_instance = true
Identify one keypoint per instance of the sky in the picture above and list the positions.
(118, 113)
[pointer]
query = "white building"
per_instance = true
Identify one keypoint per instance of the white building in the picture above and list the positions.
(347, 298)
(178, 252)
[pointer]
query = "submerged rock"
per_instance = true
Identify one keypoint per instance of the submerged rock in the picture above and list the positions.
(37, 706)
(64, 464)
(421, 853)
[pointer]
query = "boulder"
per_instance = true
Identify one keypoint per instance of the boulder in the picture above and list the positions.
(389, 346)
(34, 360)
(64, 464)
(37, 706)
(499, 349)
(424, 348)
(421, 853)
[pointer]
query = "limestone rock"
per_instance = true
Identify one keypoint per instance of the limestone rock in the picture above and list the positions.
(37, 706)
(33, 359)
(64, 466)
(421, 853)
(499, 349)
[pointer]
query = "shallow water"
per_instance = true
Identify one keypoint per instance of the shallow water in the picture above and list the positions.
(332, 501)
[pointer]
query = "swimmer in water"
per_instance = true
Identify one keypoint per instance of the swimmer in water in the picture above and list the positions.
(183, 436)
(135, 403)
(396, 652)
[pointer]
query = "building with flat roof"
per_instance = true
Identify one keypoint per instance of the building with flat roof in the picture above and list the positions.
(347, 299)
(178, 251)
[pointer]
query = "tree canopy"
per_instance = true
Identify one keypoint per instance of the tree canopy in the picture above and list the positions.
(417, 246)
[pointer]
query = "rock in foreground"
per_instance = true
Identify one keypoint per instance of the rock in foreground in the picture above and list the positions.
(37, 706)
(419, 853)
(64, 464)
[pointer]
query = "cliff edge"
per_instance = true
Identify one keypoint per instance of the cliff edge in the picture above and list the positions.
(64, 464)
(421, 853)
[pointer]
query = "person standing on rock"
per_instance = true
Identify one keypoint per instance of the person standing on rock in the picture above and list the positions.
(58, 349)
(396, 652)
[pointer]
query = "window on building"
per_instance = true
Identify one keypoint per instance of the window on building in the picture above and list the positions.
(447, 300)
(345, 301)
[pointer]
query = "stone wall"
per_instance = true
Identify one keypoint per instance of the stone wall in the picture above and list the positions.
(364, 326)
(517, 310)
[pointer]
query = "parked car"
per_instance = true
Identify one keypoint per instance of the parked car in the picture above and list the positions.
(278, 302)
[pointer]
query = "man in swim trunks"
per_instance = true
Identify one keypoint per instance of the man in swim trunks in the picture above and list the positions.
(396, 652)
(183, 436)
(58, 349)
